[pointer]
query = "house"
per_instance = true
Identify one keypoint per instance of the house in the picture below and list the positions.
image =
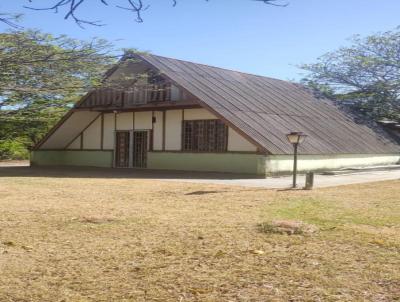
(161, 113)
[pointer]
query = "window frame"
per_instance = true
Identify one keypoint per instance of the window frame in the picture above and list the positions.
(204, 136)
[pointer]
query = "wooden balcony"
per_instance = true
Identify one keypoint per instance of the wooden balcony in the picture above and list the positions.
(132, 97)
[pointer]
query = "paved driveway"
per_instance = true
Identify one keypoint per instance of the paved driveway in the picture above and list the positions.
(320, 181)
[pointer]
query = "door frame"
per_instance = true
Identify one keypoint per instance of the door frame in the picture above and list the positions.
(129, 149)
(130, 163)
(147, 149)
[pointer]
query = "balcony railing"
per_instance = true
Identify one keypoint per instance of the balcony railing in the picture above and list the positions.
(130, 97)
(148, 93)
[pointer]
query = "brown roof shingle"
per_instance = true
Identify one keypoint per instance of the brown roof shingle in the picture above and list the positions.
(266, 109)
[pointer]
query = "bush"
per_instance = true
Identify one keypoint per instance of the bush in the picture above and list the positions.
(13, 149)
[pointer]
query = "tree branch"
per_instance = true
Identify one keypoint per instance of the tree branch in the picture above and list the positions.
(10, 20)
(137, 7)
(73, 6)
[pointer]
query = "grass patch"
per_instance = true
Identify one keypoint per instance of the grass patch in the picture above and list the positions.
(329, 212)
(288, 227)
(87, 239)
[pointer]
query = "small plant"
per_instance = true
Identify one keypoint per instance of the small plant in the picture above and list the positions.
(289, 227)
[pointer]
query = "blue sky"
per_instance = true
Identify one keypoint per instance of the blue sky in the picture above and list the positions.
(243, 35)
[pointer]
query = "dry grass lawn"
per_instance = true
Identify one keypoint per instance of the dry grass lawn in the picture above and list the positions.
(88, 239)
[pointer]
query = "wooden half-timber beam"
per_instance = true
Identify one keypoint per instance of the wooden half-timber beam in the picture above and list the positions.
(146, 107)
(151, 145)
(163, 129)
(81, 133)
(102, 132)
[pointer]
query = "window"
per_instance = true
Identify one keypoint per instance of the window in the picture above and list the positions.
(204, 136)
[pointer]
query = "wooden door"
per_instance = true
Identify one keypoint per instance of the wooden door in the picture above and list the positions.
(139, 149)
(122, 149)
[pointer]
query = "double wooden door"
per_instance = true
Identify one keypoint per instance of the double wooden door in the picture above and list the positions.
(131, 149)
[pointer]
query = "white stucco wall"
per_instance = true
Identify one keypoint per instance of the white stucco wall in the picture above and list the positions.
(108, 132)
(69, 130)
(92, 136)
(236, 142)
(137, 121)
(158, 130)
(143, 120)
(284, 163)
(124, 121)
(173, 130)
(76, 144)
(198, 114)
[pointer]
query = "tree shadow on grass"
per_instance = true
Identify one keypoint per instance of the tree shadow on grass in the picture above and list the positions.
(91, 172)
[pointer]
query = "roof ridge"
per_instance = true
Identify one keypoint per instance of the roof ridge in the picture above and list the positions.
(226, 69)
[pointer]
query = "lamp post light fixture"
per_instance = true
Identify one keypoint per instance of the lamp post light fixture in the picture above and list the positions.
(295, 138)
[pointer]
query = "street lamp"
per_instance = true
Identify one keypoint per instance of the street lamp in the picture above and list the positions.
(295, 138)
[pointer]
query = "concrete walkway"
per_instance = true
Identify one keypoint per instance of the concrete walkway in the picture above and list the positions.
(320, 181)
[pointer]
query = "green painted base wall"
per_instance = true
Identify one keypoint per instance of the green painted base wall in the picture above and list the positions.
(210, 162)
(217, 162)
(281, 164)
(73, 158)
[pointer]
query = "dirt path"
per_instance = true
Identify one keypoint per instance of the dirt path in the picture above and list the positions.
(21, 168)
(320, 181)
(14, 163)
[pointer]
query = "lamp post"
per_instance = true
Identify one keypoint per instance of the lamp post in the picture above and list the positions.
(295, 138)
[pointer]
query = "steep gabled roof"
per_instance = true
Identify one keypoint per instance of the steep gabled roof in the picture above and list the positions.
(266, 109)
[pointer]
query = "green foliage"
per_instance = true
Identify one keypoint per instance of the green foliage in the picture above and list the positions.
(132, 51)
(366, 75)
(39, 68)
(27, 130)
(41, 77)
(322, 89)
(13, 149)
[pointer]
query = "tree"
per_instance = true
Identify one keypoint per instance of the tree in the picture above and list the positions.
(36, 63)
(41, 76)
(365, 75)
(71, 9)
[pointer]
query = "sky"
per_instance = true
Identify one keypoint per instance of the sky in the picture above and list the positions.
(242, 35)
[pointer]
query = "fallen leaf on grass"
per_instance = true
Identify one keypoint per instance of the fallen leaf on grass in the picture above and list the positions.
(257, 252)
(8, 243)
